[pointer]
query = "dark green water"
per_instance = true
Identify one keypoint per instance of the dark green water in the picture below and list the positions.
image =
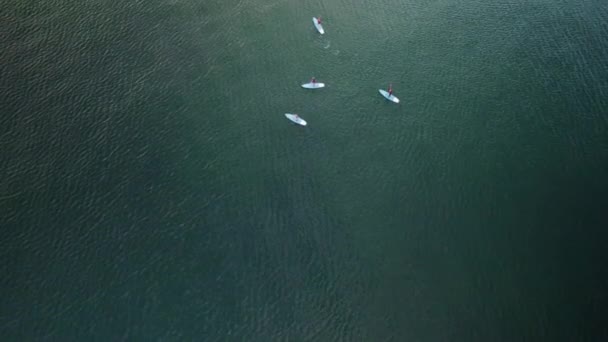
(151, 189)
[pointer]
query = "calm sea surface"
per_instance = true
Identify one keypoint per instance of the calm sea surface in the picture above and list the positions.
(152, 190)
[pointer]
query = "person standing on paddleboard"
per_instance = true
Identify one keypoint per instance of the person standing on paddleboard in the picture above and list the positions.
(314, 81)
(319, 20)
(390, 89)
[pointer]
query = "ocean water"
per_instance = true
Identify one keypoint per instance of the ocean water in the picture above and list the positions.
(152, 190)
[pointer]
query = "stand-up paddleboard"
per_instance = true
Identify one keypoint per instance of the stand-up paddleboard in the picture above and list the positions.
(319, 27)
(390, 97)
(295, 118)
(313, 85)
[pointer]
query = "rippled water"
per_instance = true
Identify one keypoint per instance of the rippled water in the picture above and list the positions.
(152, 189)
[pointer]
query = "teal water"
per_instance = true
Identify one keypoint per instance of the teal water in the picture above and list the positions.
(152, 189)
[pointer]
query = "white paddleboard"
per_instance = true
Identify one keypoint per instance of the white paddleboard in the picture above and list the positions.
(315, 85)
(295, 118)
(392, 98)
(317, 25)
